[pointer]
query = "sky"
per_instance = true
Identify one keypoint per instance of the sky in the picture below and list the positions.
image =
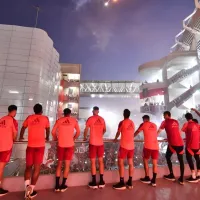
(110, 42)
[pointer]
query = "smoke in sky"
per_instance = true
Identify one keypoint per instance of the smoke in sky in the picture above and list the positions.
(81, 3)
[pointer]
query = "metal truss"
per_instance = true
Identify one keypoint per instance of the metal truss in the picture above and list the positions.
(109, 87)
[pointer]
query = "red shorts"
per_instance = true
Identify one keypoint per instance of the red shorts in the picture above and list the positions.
(5, 156)
(125, 153)
(96, 151)
(149, 153)
(65, 153)
(34, 155)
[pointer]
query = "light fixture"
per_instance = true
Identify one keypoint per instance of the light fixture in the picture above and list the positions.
(100, 96)
(92, 95)
(30, 99)
(13, 92)
(106, 4)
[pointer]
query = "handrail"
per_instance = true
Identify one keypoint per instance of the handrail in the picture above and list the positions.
(197, 4)
(188, 28)
(83, 141)
(183, 72)
(182, 97)
(171, 49)
(178, 42)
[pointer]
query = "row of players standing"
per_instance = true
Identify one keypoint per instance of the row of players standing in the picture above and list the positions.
(63, 131)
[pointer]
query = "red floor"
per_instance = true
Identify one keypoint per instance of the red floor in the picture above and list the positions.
(165, 190)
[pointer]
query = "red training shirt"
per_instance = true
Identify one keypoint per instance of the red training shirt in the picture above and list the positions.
(171, 127)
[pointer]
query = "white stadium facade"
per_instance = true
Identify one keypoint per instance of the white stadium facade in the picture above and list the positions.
(174, 83)
(29, 71)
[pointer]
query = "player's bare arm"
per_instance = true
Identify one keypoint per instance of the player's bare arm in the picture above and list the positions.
(53, 132)
(22, 133)
(55, 138)
(117, 136)
(77, 134)
(14, 135)
(159, 131)
(196, 111)
(183, 129)
(136, 132)
(47, 133)
(104, 131)
(104, 128)
(85, 133)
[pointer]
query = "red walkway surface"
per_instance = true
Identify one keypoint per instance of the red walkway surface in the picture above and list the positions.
(165, 190)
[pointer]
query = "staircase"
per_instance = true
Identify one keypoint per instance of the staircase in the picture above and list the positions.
(183, 74)
(183, 97)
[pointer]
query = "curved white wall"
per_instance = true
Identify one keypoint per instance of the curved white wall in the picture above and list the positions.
(29, 71)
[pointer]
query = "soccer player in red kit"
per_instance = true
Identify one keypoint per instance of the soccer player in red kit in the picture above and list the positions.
(97, 127)
(196, 121)
(175, 145)
(150, 148)
(198, 113)
(65, 127)
(192, 133)
(126, 128)
(8, 133)
(37, 124)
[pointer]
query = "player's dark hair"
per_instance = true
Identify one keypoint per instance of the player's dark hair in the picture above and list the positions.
(195, 120)
(127, 113)
(95, 108)
(146, 117)
(37, 108)
(12, 108)
(167, 113)
(67, 111)
(188, 116)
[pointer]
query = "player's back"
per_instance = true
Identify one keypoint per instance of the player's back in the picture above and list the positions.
(36, 129)
(7, 128)
(150, 135)
(127, 128)
(66, 126)
(173, 132)
(97, 126)
(192, 135)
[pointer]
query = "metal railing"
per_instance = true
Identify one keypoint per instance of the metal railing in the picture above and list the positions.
(178, 101)
(153, 109)
(184, 73)
(186, 27)
(109, 87)
(181, 43)
(186, 22)
(81, 161)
